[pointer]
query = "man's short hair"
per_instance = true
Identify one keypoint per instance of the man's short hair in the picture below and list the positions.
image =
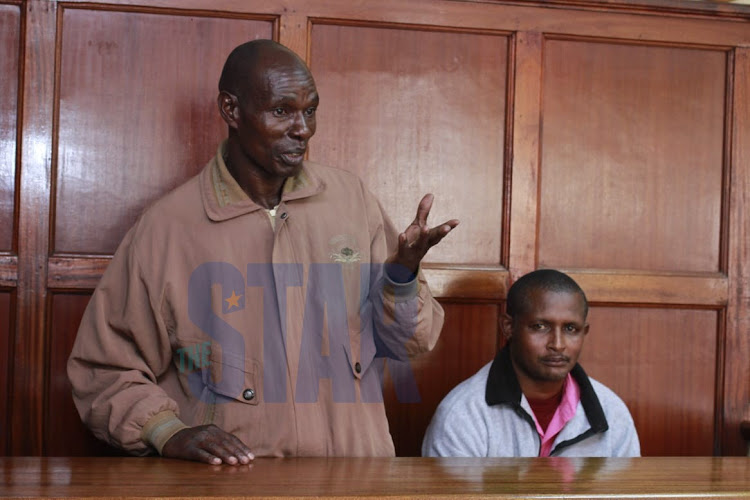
(242, 61)
(549, 280)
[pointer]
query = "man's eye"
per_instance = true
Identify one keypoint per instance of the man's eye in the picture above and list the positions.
(538, 326)
(310, 112)
(571, 328)
(279, 111)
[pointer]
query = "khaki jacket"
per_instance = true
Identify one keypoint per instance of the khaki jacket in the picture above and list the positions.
(272, 328)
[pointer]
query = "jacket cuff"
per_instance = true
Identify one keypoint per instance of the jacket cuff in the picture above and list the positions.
(401, 291)
(160, 428)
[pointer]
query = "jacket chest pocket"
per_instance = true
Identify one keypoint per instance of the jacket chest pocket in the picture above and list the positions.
(235, 377)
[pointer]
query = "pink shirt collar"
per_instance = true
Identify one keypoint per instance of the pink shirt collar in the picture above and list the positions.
(565, 411)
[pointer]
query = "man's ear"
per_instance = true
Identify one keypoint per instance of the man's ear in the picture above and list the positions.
(229, 108)
(506, 326)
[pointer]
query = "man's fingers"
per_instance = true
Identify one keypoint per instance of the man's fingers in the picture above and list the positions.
(238, 448)
(230, 449)
(208, 444)
(437, 233)
(203, 456)
(423, 210)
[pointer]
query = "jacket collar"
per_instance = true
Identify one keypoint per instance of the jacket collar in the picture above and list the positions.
(224, 199)
(503, 388)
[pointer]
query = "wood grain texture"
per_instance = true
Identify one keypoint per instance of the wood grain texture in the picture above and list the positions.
(124, 129)
(71, 273)
(446, 281)
(415, 112)
(395, 478)
(114, 101)
(653, 20)
(467, 282)
(736, 388)
(468, 341)
(527, 122)
(8, 271)
(632, 157)
(33, 228)
(662, 363)
(707, 289)
(64, 433)
(6, 365)
(10, 37)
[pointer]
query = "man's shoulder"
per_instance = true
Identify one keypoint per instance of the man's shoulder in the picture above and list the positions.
(334, 176)
(181, 203)
(608, 399)
(467, 394)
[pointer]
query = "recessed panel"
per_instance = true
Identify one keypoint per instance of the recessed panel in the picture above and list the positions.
(632, 156)
(65, 434)
(662, 363)
(415, 112)
(5, 363)
(9, 76)
(468, 341)
(138, 115)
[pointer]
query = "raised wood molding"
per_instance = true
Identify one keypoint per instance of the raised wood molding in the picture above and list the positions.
(525, 155)
(8, 271)
(736, 389)
(28, 378)
(710, 289)
(76, 273)
(484, 283)
(450, 282)
(606, 19)
(468, 282)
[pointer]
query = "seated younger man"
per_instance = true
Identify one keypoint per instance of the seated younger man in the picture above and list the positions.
(534, 399)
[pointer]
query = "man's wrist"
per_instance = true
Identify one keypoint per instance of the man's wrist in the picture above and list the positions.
(160, 428)
(401, 291)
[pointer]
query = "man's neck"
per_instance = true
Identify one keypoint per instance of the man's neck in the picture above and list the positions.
(538, 389)
(263, 190)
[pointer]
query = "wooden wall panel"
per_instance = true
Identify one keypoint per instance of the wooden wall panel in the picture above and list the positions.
(10, 37)
(6, 365)
(412, 112)
(469, 340)
(606, 138)
(126, 79)
(65, 434)
(736, 388)
(632, 156)
(662, 363)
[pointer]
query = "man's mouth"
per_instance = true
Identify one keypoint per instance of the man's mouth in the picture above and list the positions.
(555, 361)
(293, 158)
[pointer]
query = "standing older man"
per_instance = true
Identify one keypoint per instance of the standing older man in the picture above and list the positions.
(534, 399)
(246, 312)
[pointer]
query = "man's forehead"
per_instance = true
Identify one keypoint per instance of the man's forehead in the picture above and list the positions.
(286, 82)
(539, 300)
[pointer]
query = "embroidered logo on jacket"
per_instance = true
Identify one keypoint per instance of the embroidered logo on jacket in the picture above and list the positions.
(343, 249)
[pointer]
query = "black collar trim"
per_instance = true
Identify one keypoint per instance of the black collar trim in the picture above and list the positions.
(503, 388)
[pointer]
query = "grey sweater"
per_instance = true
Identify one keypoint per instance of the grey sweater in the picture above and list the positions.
(487, 415)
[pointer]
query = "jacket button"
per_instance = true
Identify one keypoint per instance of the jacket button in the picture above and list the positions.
(248, 394)
(283, 215)
(357, 367)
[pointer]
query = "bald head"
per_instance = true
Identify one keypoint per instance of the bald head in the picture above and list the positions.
(246, 67)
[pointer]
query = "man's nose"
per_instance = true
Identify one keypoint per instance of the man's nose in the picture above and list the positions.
(556, 340)
(302, 127)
